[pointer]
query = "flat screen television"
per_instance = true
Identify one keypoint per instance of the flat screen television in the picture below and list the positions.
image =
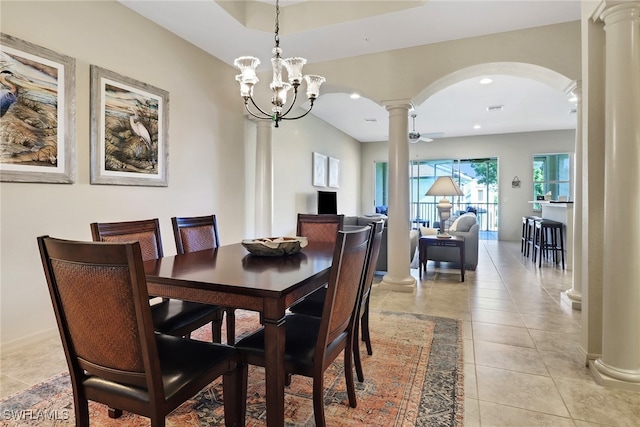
(327, 202)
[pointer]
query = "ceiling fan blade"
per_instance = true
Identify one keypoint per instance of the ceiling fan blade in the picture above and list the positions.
(425, 139)
(433, 135)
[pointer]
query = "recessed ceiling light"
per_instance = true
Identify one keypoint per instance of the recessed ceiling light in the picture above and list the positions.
(573, 111)
(354, 96)
(486, 81)
(370, 120)
(495, 108)
(477, 127)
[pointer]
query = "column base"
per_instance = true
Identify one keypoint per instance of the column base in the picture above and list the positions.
(609, 376)
(398, 284)
(572, 299)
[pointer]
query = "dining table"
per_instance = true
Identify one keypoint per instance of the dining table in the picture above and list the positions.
(232, 277)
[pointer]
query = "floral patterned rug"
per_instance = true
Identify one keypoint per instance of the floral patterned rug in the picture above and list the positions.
(413, 378)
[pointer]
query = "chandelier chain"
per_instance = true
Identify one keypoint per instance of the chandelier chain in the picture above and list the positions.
(277, 30)
(248, 78)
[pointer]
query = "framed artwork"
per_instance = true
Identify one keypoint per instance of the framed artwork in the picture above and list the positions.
(37, 113)
(334, 172)
(129, 131)
(319, 170)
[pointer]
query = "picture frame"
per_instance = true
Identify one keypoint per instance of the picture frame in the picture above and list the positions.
(334, 172)
(37, 130)
(129, 131)
(319, 170)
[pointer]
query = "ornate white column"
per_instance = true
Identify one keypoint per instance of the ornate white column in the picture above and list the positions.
(398, 277)
(619, 365)
(264, 179)
(573, 296)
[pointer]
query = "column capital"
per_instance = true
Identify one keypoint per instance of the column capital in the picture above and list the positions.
(610, 11)
(395, 104)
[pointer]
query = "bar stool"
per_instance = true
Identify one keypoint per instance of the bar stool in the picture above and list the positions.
(548, 240)
(528, 228)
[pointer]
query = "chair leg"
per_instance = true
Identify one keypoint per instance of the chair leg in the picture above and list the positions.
(356, 355)
(114, 413)
(231, 326)
(216, 327)
(82, 411)
(366, 337)
(318, 400)
(348, 373)
(234, 390)
(158, 420)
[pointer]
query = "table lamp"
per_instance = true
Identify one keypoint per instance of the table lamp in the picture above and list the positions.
(444, 186)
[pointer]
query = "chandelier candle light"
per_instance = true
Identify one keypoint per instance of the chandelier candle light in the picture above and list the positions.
(444, 186)
(248, 78)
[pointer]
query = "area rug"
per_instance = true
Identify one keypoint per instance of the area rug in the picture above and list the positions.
(413, 378)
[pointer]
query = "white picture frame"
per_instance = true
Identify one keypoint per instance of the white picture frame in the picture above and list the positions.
(129, 131)
(46, 82)
(319, 170)
(334, 172)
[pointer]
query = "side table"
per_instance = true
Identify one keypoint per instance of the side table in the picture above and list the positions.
(426, 241)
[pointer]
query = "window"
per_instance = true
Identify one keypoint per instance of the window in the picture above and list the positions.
(476, 177)
(551, 174)
(382, 187)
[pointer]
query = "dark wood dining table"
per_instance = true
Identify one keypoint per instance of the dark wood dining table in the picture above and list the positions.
(231, 277)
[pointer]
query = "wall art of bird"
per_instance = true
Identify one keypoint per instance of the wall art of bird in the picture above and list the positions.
(7, 96)
(138, 128)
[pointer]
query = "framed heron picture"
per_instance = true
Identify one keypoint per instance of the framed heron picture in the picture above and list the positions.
(129, 131)
(37, 113)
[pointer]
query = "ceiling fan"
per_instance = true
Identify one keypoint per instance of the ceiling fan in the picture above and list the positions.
(415, 136)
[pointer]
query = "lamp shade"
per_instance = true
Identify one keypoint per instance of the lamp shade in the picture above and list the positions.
(444, 186)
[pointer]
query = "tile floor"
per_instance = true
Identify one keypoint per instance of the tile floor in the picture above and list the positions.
(522, 363)
(521, 345)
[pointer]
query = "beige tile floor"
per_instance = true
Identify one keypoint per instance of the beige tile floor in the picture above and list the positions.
(522, 363)
(521, 345)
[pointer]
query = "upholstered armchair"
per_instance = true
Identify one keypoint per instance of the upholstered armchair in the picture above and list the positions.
(352, 222)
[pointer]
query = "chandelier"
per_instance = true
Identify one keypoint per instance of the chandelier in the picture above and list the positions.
(248, 78)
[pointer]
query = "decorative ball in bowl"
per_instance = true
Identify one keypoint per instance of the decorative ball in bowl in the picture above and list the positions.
(275, 246)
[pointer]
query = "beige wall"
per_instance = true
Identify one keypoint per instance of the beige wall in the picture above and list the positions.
(211, 145)
(211, 161)
(293, 145)
(405, 73)
(205, 145)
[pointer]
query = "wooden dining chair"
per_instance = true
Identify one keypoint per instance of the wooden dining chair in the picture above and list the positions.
(313, 304)
(197, 233)
(99, 296)
(319, 228)
(313, 343)
(170, 316)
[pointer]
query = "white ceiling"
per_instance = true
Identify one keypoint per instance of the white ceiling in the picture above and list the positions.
(454, 111)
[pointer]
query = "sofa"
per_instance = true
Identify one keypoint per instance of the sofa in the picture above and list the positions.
(353, 222)
(465, 225)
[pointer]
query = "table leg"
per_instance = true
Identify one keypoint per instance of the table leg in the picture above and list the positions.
(462, 261)
(274, 337)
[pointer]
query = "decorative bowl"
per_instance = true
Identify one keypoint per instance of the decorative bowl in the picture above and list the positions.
(275, 246)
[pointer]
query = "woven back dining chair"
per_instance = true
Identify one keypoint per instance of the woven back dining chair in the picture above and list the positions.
(99, 296)
(319, 228)
(195, 233)
(313, 304)
(170, 316)
(313, 343)
(198, 233)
